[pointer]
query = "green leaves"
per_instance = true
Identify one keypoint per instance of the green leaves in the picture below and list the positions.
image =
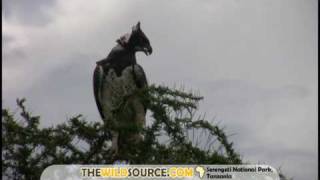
(28, 149)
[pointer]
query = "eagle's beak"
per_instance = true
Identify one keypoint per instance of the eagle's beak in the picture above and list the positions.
(147, 50)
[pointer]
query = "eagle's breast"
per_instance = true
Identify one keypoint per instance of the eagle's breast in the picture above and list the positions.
(116, 89)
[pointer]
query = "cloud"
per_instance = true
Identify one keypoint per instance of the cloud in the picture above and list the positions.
(48, 48)
(36, 12)
(271, 125)
(64, 92)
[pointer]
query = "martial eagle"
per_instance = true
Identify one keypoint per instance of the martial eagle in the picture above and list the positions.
(119, 76)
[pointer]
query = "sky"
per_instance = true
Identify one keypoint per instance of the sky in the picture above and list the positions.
(255, 63)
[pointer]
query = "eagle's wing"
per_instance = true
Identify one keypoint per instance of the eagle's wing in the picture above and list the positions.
(140, 76)
(141, 79)
(97, 87)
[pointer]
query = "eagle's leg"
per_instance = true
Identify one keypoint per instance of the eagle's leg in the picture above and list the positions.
(139, 118)
(114, 145)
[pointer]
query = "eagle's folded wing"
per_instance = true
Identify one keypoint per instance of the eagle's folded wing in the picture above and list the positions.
(140, 76)
(97, 87)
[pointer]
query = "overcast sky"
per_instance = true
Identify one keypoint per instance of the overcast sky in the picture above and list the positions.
(255, 62)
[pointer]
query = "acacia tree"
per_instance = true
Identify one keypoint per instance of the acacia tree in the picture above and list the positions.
(169, 139)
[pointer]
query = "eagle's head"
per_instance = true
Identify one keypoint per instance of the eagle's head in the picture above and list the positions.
(136, 40)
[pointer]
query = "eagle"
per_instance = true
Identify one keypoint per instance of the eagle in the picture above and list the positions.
(116, 78)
